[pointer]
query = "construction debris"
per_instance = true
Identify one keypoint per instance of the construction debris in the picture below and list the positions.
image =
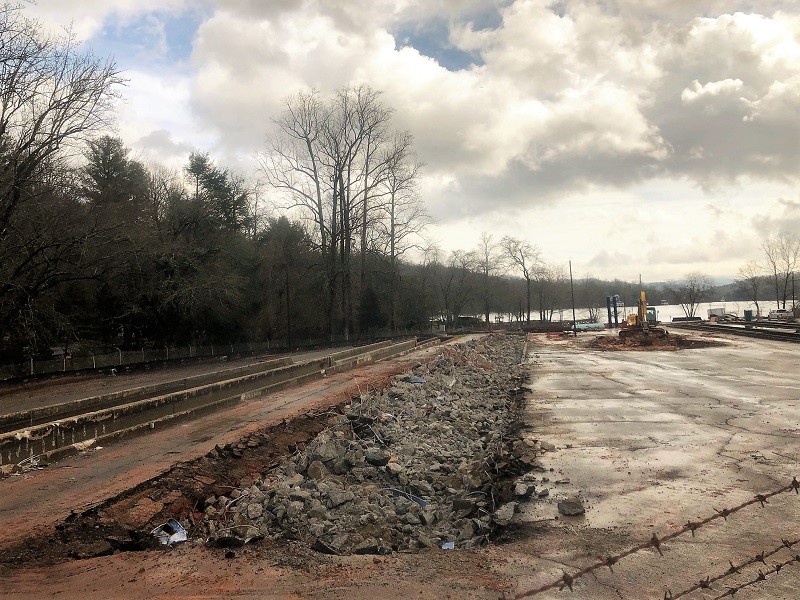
(423, 463)
(170, 533)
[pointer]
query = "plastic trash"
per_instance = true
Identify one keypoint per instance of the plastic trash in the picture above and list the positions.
(395, 492)
(449, 546)
(170, 533)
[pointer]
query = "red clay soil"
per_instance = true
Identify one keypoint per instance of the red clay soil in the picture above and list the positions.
(32, 504)
(47, 552)
(651, 343)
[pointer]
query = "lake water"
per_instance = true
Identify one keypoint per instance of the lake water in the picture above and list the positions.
(665, 312)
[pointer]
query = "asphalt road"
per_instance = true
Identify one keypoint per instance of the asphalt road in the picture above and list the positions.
(651, 440)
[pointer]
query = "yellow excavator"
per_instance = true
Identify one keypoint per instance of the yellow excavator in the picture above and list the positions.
(643, 324)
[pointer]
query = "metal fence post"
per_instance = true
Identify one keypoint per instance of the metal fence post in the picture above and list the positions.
(32, 371)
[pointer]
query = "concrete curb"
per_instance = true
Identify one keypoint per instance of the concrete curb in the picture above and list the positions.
(58, 439)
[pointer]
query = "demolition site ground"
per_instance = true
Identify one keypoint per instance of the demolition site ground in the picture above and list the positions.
(492, 466)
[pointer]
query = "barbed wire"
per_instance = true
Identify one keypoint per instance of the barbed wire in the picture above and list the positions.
(762, 576)
(706, 583)
(567, 580)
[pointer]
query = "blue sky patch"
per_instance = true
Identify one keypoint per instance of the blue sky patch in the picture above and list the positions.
(431, 39)
(157, 37)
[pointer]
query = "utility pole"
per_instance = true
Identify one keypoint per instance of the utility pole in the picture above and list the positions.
(572, 291)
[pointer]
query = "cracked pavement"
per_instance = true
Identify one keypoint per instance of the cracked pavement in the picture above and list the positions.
(650, 440)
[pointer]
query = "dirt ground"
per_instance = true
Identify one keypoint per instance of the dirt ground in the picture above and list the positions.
(655, 343)
(647, 440)
(36, 501)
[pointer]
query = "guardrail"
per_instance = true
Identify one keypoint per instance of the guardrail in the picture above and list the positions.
(752, 331)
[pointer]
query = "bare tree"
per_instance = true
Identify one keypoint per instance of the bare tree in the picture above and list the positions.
(527, 258)
(401, 216)
(490, 265)
(430, 253)
(338, 162)
(783, 253)
(292, 164)
(751, 276)
(164, 186)
(52, 98)
(590, 294)
(456, 284)
(694, 289)
(376, 149)
(552, 289)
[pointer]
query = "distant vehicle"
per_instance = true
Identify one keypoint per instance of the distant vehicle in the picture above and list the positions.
(780, 314)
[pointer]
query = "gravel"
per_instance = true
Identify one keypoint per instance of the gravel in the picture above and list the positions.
(432, 459)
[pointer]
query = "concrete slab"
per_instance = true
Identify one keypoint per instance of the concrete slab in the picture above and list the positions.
(650, 440)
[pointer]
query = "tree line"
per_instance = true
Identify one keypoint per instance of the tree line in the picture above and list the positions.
(100, 249)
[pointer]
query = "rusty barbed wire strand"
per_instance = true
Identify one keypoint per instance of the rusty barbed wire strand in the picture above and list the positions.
(567, 580)
(704, 584)
(762, 576)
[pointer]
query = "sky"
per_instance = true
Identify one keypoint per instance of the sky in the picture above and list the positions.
(652, 137)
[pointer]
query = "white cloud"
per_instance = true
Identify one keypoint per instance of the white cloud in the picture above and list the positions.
(711, 89)
(666, 104)
(86, 17)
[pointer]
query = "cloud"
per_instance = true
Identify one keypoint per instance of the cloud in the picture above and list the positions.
(160, 145)
(539, 107)
(783, 219)
(710, 90)
(86, 17)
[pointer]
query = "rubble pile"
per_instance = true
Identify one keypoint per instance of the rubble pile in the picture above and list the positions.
(669, 342)
(430, 461)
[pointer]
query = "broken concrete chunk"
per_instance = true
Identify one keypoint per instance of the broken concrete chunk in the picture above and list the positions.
(394, 468)
(340, 466)
(326, 451)
(428, 516)
(294, 509)
(338, 498)
(524, 489)
(316, 470)
(503, 515)
(299, 494)
(254, 510)
(377, 457)
(465, 506)
(295, 479)
(571, 507)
